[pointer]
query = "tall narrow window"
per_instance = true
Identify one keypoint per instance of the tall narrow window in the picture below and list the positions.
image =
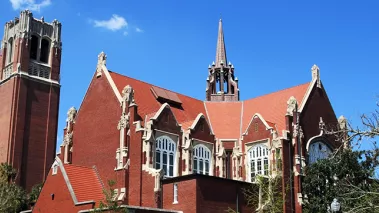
(201, 159)
(34, 47)
(165, 155)
(175, 193)
(10, 50)
(44, 56)
(229, 163)
(259, 161)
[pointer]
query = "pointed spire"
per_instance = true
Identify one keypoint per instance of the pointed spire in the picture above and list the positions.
(220, 51)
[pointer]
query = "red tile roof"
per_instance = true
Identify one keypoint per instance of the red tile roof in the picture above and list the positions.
(224, 117)
(273, 106)
(85, 183)
(147, 103)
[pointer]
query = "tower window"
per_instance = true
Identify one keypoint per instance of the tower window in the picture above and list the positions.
(201, 159)
(165, 154)
(34, 47)
(10, 50)
(44, 51)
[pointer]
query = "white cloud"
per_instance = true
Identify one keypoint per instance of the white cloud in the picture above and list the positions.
(139, 30)
(115, 23)
(29, 4)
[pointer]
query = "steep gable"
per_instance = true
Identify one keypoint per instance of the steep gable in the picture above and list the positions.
(273, 106)
(69, 188)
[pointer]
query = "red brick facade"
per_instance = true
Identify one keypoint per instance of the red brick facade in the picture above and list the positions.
(166, 151)
(29, 106)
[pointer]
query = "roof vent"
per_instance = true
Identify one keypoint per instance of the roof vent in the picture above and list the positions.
(163, 95)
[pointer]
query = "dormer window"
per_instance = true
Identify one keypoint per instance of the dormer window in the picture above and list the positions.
(44, 56)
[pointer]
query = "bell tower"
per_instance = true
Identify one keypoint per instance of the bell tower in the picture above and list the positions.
(222, 85)
(30, 58)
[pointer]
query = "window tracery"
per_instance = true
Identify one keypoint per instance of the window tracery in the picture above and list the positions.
(165, 155)
(258, 156)
(201, 159)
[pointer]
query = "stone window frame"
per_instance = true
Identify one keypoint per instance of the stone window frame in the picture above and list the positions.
(175, 138)
(204, 154)
(39, 49)
(168, 146)
(248, 147)
(321, 141)
(209, 146)
(10, 51)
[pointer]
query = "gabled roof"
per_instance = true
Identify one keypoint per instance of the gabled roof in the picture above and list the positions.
(273, 106)
(225, 118)
(85, 183)
(148, 103)
(228, 120)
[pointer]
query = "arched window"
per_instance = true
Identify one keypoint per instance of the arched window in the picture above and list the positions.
(10, 50)
(45, 46)
(258, 156)
(201, 159)
(165, 155)
(33, 47)
(318, 150)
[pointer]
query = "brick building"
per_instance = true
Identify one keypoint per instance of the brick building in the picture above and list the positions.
(30, 58)
(169, 152)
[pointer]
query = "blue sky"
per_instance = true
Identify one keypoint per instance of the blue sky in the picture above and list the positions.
(272, 44)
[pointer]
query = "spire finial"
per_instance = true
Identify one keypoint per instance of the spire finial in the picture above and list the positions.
(220, 16)
(220, 50)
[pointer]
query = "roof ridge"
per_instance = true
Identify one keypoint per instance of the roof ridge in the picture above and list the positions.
(277, 91)
(154, 85)
(78, 166)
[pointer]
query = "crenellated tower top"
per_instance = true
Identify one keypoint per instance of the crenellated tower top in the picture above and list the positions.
(32, 46)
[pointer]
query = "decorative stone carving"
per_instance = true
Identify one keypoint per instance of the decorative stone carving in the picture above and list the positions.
(316, 75)
(71, 114)
(342, 122)
(101, 61)
(67, 140)
(123, 123)
(291, 105)
(321, 126)
(128, 95)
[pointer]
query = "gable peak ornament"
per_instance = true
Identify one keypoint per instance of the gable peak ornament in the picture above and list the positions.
(71, 114)
(342, 122)
(101, 61)
(291, 105)
(316, 75)
(128, 95)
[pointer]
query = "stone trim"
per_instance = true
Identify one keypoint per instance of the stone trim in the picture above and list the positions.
(210, 123)
(159, 112)
(26, 75)
(69, 186)
(306, 96)
(198, 117)
(102, 66)
(257, 115)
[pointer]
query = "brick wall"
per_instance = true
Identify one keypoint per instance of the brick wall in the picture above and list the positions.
(96, 137)
(205, 194)
(62, 202)
(6, 94)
